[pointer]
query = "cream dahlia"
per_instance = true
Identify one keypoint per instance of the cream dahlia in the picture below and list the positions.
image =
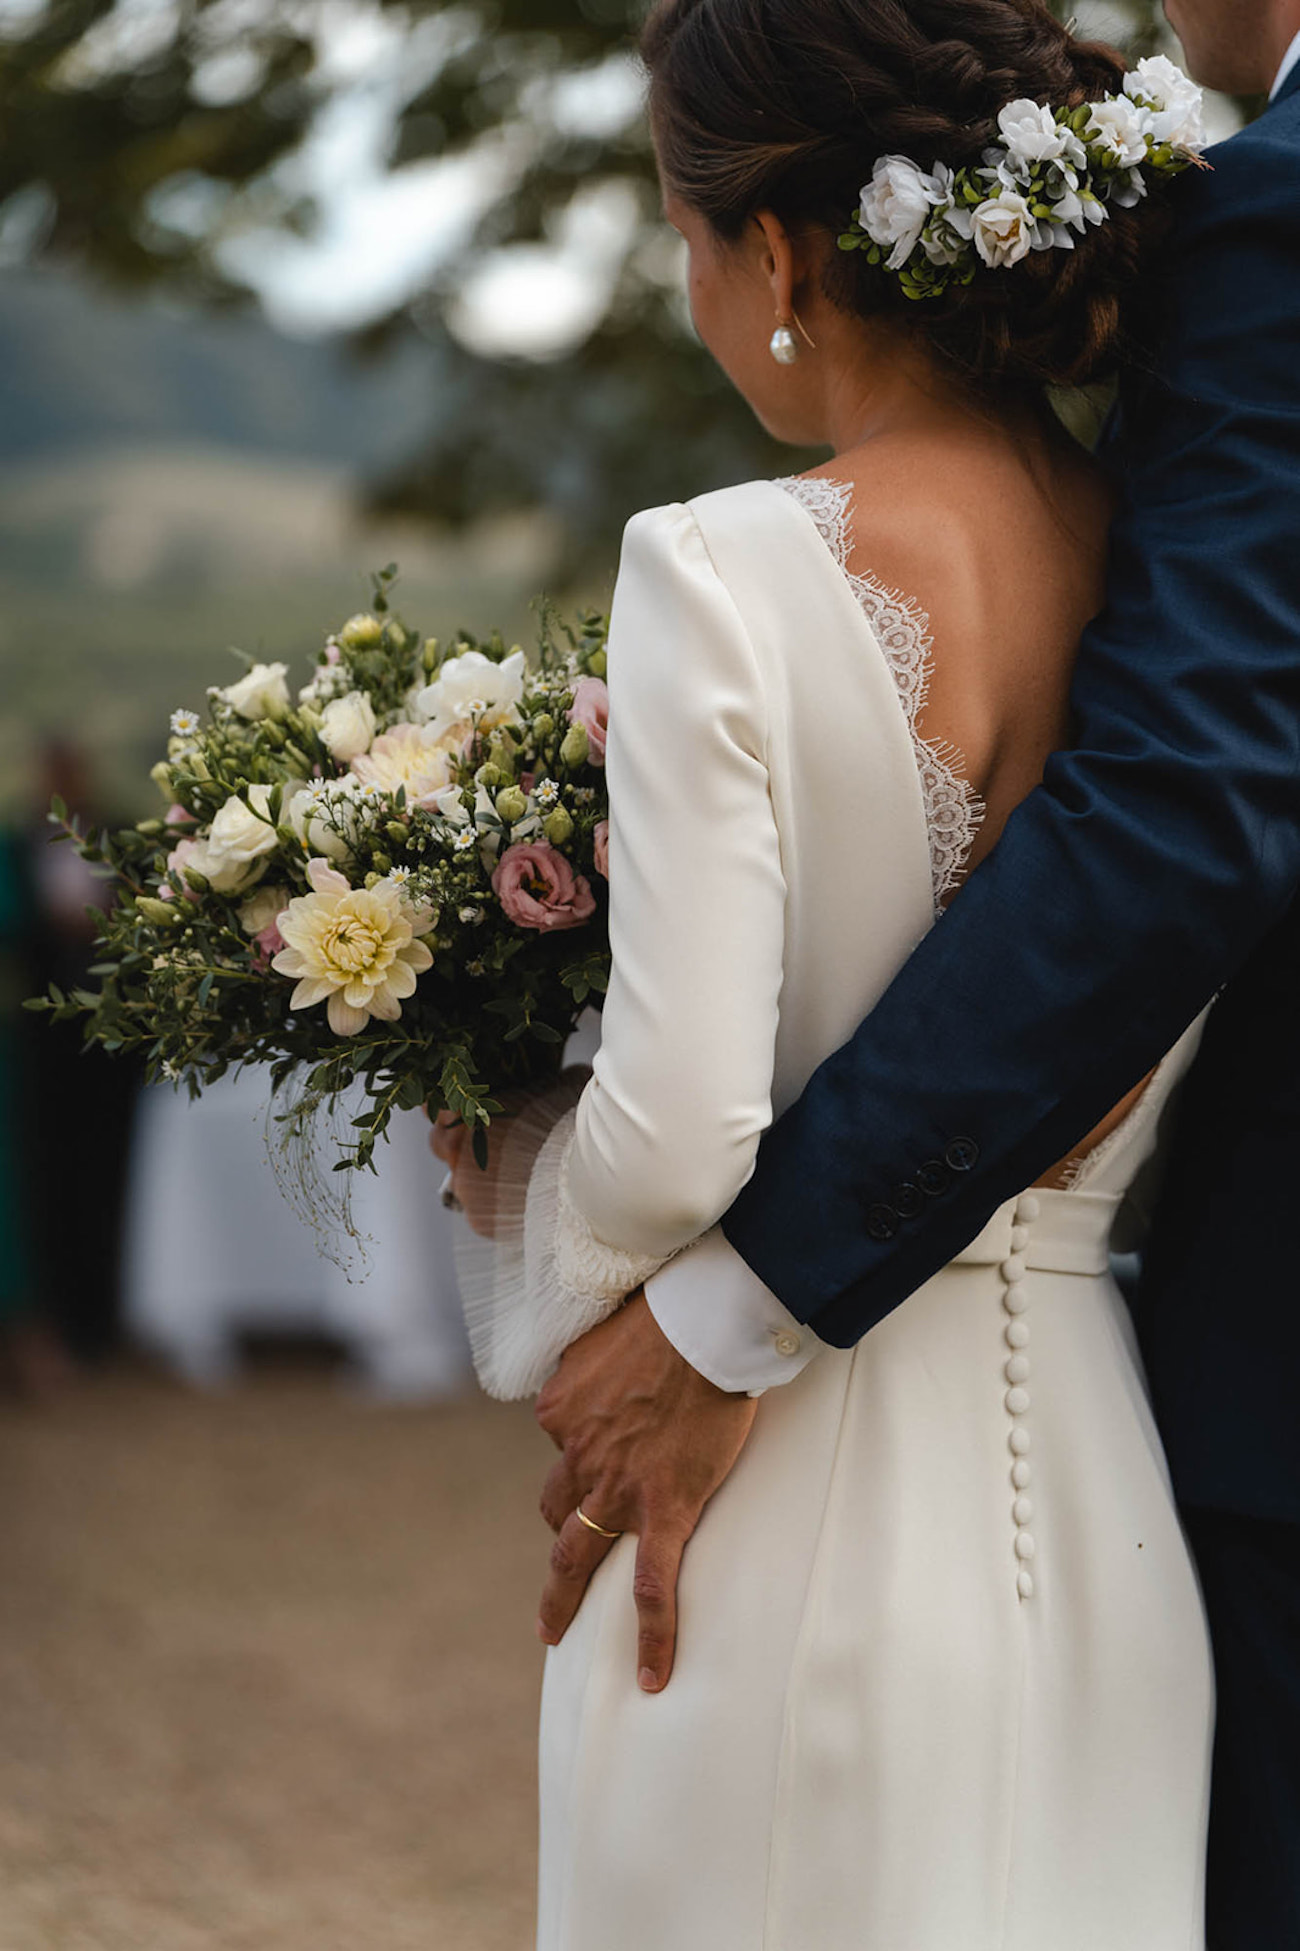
(354, 949)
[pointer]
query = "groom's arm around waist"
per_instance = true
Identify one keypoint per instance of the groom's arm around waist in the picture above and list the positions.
(1158, 850)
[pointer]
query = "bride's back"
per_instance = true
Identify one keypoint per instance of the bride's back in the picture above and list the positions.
(995, 525)
(996, 529)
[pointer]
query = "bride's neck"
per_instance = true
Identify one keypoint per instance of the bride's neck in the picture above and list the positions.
(900, 388)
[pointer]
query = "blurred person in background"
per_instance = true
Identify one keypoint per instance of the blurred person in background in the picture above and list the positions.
(81, 1100)
(31, 1360)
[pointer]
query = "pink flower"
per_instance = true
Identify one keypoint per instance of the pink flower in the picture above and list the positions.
(538, 889)
(180, 853)
(591, 708)
(331, 652)
(600, 839)
(267, 942)
(178, 816)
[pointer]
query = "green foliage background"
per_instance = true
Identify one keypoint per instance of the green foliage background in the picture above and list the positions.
(133, 142)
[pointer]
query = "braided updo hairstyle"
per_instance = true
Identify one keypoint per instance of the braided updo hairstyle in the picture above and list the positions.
(785, 105)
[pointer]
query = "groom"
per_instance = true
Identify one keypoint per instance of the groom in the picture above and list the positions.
(1158, 862)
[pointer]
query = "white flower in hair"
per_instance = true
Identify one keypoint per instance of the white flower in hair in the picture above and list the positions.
(1119, 128)
(1129, 190)
(1174, 102)
(1004, 229)
(896, 206)
(1033, 136)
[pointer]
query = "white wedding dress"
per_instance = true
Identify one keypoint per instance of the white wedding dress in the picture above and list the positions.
(943, 1681)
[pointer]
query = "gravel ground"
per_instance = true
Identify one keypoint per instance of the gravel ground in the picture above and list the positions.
(268, 1680)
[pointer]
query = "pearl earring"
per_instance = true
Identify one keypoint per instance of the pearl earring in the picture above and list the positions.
(783, 346)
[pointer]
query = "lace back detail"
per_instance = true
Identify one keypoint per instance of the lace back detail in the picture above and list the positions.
(953, 809)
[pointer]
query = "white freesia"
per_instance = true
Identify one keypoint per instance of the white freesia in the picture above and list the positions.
(1004, 230)
(347, 726)
(1128, 189)
(472, 688)
(449, 805)
(264, 693)
(229, 855)
(409, 756)
(1033, 137)
(1119, 127)
(895, 206)
(353, 949)
(1175, 104)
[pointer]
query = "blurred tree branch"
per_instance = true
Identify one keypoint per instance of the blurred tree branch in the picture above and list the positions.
(115, 117)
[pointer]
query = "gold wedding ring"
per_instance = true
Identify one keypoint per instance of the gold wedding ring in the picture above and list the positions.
(592, 1525)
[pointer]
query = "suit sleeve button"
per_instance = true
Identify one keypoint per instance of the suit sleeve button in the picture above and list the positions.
(787, 1343)
(933, 1177)
(962, 1154)
(909, 1200)
(882, 1223)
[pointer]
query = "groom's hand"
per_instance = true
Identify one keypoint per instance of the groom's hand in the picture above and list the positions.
(646, 1441)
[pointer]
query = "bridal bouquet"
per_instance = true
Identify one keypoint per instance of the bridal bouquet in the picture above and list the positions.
(391, 885)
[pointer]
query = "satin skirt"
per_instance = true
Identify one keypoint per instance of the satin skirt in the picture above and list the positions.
(943, 1680)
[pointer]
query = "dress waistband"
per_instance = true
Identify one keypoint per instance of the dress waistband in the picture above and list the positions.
(1067, 1232)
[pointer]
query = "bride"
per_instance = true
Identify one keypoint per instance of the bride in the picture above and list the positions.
(943, 1681)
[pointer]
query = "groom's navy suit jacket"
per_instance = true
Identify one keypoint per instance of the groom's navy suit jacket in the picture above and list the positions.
(1158, 863)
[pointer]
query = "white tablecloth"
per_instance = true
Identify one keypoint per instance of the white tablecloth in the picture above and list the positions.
(213, 1249)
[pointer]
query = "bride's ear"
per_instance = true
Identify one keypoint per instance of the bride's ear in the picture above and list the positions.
(778, 262)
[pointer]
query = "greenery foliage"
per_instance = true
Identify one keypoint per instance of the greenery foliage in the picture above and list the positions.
(266, 820)
(137, 150)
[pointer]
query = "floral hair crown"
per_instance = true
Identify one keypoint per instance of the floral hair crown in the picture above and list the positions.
(1055, 172)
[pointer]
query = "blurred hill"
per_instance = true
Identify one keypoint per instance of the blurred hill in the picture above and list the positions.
(172, 484)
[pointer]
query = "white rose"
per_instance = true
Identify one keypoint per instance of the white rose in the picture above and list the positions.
(1033, 136)
(473, 687)
(229, 855)
(260, 909)
(895, 206)
(347, 726)
(1120, 129)
(1004, 230)
(331, 816)
(264, 693)
(1175, 102)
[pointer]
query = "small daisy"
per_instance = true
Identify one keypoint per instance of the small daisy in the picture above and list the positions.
(546, 793)
(186, 724)
(465, 840)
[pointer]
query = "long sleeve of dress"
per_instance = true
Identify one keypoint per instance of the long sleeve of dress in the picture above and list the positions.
(665, 1134)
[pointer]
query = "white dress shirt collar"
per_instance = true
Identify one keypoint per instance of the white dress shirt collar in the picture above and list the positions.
(1289, 60)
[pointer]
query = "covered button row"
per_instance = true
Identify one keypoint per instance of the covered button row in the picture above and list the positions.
(1016, 1370)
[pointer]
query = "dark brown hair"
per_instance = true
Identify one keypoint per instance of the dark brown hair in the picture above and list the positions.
(785, 105)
